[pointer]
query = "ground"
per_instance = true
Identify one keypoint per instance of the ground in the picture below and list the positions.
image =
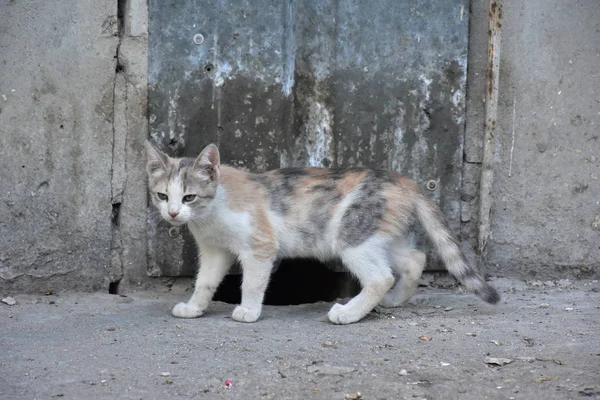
(101, 346)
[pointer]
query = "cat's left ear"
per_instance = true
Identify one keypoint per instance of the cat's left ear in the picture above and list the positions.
(209, 161)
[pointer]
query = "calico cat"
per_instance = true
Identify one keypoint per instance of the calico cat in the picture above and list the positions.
(357, 215)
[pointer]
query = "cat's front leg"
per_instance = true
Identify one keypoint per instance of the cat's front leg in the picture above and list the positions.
(256, 274)
(214, 264)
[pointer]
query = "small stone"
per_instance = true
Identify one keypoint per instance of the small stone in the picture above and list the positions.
(497, 361)
(9, 300)
(355, 396)
(403, 372)
(565, 284)
(471, 334)
(544, 305)
(448, 308)
(413, 323)
(165, 374)
(496, 342)
(444, 364)
(549, 284)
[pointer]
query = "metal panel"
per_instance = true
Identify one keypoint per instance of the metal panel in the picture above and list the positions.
(309, 82)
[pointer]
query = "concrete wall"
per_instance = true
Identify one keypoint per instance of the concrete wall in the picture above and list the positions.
(72, 101)
(73, 115)
(546, 213)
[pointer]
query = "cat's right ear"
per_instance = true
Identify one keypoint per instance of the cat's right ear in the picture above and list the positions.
(157, 160)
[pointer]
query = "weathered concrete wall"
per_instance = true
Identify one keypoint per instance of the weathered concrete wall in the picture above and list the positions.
(546, 192)
(57, 63)
(72, 121)
(73, 115)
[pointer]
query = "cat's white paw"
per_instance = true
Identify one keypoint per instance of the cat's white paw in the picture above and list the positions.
(389, 301)
(242, 314)
(186, 310)
(342, 315)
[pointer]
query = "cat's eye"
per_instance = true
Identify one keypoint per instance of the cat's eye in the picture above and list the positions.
(189, 198)
(162, 196)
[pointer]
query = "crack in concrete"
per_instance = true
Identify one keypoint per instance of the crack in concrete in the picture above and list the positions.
(118, 173)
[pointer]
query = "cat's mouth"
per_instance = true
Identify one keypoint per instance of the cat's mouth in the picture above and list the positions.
(175, 222)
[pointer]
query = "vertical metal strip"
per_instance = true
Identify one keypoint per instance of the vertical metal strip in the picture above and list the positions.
(491, 111)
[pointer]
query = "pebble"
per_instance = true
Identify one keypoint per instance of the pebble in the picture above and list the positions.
(403, 372)
(565, 284)
(9, 300)
(497, 361)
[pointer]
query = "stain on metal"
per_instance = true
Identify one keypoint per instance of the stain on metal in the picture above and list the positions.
(309, 82)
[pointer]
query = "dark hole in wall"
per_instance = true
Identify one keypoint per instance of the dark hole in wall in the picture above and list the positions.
(296, 281)
(113, 288)
(115, 214)
(121, 9)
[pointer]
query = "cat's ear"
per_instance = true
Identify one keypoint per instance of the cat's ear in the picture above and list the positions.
(208, 161)
(157, 160)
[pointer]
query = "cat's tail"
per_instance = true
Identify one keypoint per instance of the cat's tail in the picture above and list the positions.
(447, 247)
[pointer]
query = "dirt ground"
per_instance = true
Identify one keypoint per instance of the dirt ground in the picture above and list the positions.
(440, 346)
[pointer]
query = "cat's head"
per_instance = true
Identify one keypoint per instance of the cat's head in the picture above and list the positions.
(182, 189)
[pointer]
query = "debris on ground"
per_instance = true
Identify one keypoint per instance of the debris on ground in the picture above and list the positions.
(326, 369)
(544, 379)
(565, 284)
(426, 338)
(526, 359)
(497, 361)
(403, 372)
(228, 384)
(355, 396)
(9, 300)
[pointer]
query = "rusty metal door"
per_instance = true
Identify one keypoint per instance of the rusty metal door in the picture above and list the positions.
(309, 82)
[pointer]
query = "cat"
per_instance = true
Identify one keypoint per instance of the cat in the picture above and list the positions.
(356, 215)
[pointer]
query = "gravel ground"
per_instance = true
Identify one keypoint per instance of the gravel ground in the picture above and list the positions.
(442, 345)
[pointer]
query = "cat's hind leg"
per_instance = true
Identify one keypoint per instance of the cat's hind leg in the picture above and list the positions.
(256, 274)
(408, 264)
(370, 264)
(214, 264)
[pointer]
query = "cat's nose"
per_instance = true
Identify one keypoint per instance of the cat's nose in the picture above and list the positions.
(173, 214)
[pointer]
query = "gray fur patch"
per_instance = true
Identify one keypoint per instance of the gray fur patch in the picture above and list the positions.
(362, 216)
(315, 228)
(281, 187)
